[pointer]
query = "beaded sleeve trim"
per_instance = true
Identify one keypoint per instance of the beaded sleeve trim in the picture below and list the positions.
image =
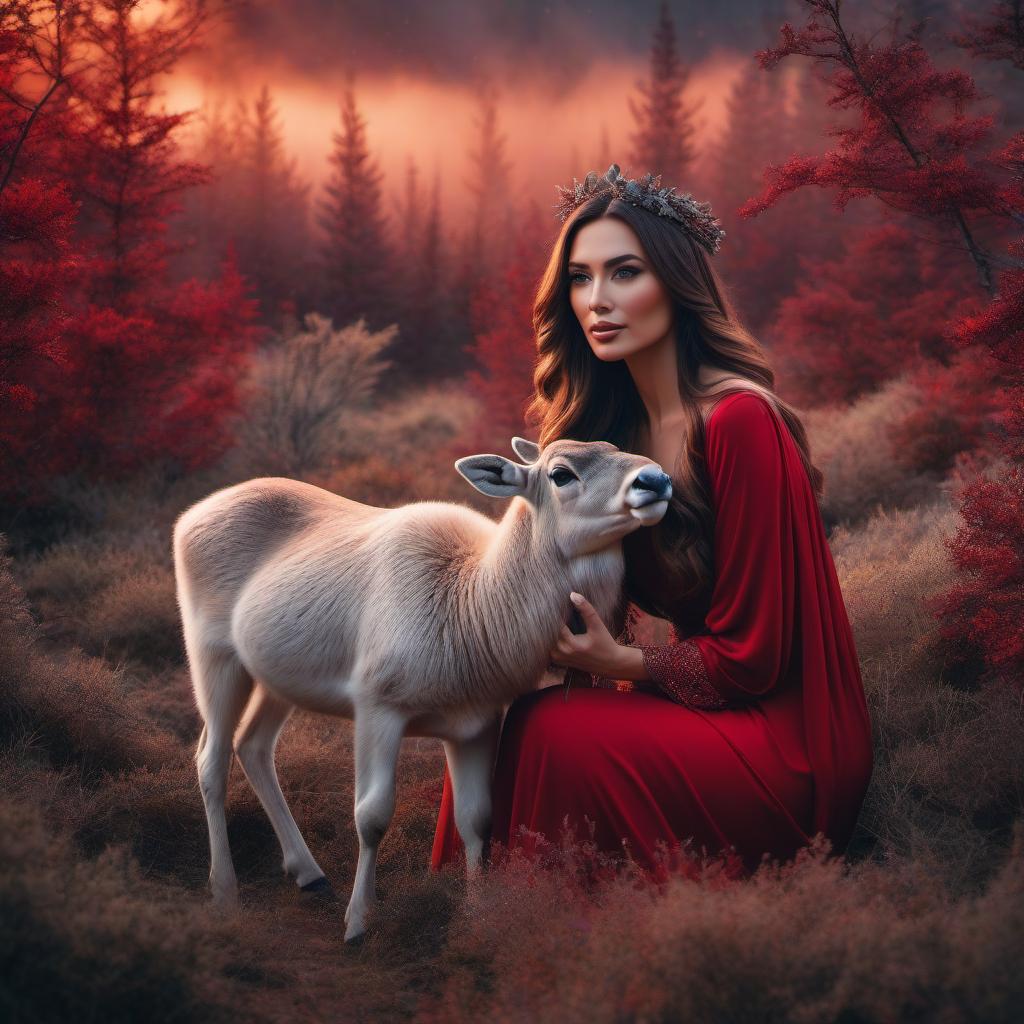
(625, 638)
(680, 671)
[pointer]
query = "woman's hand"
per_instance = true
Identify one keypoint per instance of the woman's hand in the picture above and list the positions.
(594, 651)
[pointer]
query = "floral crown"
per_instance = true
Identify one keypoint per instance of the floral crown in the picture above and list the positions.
(696, 218)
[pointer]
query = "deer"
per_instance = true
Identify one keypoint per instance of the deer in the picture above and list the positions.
(426, 619)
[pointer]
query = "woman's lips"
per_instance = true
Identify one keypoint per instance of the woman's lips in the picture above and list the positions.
(607, 334)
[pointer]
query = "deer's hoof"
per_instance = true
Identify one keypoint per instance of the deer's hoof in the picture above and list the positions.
(320, 889)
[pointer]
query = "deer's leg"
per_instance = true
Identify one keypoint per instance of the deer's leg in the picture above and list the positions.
(378, 742)
(255, 745)
(470, 764)
(222, 689)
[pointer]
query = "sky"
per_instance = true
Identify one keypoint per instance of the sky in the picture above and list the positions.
(564, 71)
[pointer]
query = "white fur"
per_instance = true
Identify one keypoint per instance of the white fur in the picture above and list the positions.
(426, 619)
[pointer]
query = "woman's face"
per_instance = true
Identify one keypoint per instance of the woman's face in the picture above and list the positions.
(611, 280)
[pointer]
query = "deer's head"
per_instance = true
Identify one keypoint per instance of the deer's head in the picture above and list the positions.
(587, 495)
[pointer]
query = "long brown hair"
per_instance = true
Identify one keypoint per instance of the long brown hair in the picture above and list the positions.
(581, 397)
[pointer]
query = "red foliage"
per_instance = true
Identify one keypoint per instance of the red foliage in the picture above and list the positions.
(857, 321)
(1000, 329)
(912, 146)
(37, 262)
(156, 382)
(147, 368)
(913, 149)
(503, 344)
(35, 221)
(985, 608)
(957, 406)
(999, 35)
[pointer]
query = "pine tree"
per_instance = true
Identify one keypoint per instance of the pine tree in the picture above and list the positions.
(427, 348)
(410, 236)
(37, 257)
(760, 259)
(490, 228)
(270, 208)
(664, 139)
(208, 219)
(815, 228)
(124, 161)
(356, 256)
(151, 363)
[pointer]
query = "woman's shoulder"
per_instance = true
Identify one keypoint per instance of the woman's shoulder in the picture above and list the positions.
(744, 430)
(736, 413)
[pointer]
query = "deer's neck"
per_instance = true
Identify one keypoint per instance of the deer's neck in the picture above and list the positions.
(518, 590)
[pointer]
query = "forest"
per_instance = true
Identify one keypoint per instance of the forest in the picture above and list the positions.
(209, 272)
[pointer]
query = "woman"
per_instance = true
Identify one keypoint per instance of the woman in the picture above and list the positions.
(749, 732)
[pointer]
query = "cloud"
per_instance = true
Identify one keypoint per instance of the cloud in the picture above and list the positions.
(450, 42)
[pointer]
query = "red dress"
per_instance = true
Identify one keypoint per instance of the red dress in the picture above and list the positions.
(757, 735)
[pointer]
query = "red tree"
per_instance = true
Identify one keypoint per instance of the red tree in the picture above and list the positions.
(37, 258)
(981, 614)
(503, 344)
(855, 322)
(984, 610)
(997, 35)
(151, 365)
(913, 146)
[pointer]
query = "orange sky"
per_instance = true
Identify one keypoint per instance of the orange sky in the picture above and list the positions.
(434, 122)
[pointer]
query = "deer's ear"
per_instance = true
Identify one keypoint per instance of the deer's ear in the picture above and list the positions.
(494, 475)
(526, 450)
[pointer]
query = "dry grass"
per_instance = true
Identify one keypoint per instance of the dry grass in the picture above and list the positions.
(948, 781)
(852, 447)
(809, 942)
(93, 939)
(412, 440)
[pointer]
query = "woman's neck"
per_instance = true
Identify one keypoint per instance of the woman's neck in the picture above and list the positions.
(655, 372)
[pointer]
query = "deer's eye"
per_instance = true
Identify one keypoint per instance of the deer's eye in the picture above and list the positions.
(562, 476)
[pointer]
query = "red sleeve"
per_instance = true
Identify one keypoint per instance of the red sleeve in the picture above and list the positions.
(745, 650)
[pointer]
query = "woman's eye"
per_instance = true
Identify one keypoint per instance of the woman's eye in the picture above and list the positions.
(562, 477)
(631, 272)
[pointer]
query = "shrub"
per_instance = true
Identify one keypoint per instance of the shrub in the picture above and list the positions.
(982, 610)
(79, 709)
(811, 941)
(946, 787)
(92, 939)
(851, 445)
(301, 391)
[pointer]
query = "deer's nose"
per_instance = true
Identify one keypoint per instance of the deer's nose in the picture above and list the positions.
(654, 480)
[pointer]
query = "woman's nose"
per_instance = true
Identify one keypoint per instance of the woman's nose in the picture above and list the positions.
(597, 301)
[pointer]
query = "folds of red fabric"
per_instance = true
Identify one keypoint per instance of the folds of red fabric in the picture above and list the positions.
(786, 753)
